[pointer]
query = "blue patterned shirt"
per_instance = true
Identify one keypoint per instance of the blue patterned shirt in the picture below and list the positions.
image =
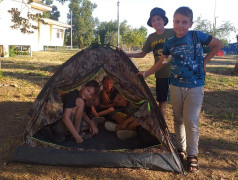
(187, 58)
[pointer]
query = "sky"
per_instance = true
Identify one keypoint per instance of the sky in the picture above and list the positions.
(136, 12)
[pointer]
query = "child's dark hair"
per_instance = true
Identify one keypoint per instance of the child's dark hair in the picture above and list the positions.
(93, 84)
(186, 11)
(105, 78)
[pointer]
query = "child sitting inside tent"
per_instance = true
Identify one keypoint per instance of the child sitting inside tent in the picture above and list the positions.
(105, 107)
(126, 125)
(73, 111)
(90, 122)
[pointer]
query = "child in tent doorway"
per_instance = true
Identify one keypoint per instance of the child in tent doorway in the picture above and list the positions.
(155, 42)
(187, 80)
(105, 107)
(126, 125)
(73, 111)
(88, 126)
(90, 120)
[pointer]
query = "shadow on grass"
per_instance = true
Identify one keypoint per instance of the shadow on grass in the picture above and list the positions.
(227, 71)
(13, 123)
(33, 78)
(13, 118)
(220, 62)
(219, 150)
(221, 105)
(6, 64)
(215, 146)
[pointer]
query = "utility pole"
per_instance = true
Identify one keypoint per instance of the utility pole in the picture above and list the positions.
(215, 21)
(71, 31)
(118, 26)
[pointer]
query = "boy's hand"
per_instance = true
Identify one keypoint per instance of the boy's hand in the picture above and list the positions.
(143, 73)
(79, 139)
(93, 129)
(119, 49)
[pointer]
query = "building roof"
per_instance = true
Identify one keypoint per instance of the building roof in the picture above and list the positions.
(41, 6)
(54, 22)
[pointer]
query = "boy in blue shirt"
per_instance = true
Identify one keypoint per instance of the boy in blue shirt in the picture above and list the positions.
(188, 67)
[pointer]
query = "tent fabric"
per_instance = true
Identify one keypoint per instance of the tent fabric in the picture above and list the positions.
(36, 155)
(93, 63)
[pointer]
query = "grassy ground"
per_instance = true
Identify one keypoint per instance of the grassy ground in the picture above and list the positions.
(21, 79)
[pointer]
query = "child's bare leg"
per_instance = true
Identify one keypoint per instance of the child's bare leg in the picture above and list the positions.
(162, 108)
(78, 113)
(132, 125)
(68, 123)
(118, 119)
(129, 123)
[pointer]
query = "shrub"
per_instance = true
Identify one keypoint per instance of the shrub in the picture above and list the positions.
(12, 51)
(15, 51)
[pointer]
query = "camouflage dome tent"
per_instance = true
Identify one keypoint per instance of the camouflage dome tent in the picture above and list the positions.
(47, 108)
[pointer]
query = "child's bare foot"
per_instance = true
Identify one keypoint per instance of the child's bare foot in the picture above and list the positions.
(79, 139)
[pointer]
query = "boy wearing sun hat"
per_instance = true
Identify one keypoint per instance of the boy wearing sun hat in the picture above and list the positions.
(155, 43)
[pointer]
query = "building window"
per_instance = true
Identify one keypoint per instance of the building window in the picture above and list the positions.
(60, 33)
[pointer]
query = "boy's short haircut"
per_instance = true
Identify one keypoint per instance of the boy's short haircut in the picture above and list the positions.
(186, 11)
(93, 84)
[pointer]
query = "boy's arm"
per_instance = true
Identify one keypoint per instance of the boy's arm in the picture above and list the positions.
(103, 106)
(105, 99)
(78, 113)
(92, 124)
(94, 112)
(105, 112)
(137, 55)
(215, 45)
(157, 66)
(68, 123)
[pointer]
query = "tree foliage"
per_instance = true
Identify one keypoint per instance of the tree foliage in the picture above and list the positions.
(135, 37)
(24, 24)
(129, 37)
(222, 32)
(54, 14)
(83, 22)
(107, 31)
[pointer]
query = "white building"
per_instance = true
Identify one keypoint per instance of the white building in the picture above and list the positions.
(49, 33)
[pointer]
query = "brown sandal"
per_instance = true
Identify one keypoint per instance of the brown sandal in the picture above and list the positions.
(193, 164)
